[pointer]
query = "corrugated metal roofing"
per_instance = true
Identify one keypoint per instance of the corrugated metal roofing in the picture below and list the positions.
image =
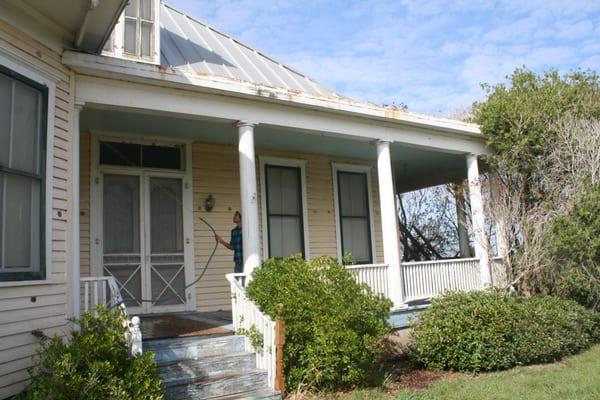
(194, 47)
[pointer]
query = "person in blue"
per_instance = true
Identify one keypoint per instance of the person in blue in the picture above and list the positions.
(235, 243)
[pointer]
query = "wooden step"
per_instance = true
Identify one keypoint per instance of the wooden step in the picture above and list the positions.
(170, 350)
(234, 384)
(262, 394)
(187, 371)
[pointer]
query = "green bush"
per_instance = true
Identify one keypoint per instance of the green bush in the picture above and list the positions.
(95, 364)
(335, 328)
(490, 330)
(575, 243)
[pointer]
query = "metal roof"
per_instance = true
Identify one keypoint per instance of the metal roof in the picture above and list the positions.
(194, 47)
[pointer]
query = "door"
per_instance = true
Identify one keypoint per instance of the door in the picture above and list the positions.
(143, 239)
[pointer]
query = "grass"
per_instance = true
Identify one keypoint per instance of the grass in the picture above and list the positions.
(576, 377)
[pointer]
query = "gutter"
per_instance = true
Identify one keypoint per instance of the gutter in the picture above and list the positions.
(83, 27)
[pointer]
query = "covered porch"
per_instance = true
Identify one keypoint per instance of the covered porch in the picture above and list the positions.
(228, 162)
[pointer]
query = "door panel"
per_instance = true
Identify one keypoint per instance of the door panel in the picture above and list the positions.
(166, 258)
(122, 256)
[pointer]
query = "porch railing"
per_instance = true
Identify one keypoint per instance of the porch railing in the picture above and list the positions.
(104, 290)
(254, 325)
(427, 279)
(374, 275)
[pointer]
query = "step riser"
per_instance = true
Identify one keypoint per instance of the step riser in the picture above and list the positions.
(187, 371)
(196, 349)
(217, 388)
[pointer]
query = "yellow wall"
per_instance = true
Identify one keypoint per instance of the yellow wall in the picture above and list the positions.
(19, 315)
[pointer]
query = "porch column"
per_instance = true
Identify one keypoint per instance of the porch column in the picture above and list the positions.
(248, 197)
(75, 254)
(478, 218)
(389, 223)
(461, 220)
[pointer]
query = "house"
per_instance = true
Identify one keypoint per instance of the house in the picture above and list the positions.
(124, 125)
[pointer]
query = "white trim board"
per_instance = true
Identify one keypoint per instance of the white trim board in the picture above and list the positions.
(284, 162)
(366, 169)
(26, 66)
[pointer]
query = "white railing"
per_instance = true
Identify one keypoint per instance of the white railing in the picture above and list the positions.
(374, 275)
(427, 279)
(103, 290)
(250, 321)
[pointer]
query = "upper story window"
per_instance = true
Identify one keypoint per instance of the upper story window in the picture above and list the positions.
(23, 113)
(136, 34)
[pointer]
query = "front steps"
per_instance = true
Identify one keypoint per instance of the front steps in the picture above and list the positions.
(209, 367)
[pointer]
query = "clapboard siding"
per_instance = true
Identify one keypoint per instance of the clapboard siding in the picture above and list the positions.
(42, 307)
(216, 172)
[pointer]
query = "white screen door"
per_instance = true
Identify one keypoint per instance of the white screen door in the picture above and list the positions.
(143, 239)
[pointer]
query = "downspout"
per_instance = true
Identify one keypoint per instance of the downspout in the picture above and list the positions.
(82, 29)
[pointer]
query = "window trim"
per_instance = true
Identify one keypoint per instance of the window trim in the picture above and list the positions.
(355, 168)
(30, 71)
(290, 163)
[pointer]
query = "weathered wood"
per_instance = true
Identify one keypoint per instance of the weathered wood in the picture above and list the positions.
(279, 342)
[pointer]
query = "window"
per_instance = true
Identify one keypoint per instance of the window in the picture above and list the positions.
(23, 111)
(354, 216)
(139, 28)
(284, 210)
(141, 155)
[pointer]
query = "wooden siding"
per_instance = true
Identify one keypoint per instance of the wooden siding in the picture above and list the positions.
(42, 306)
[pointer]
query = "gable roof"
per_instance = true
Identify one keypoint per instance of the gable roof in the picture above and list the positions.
(194, 47)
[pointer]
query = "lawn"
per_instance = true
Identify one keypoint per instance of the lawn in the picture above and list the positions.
(576, 377)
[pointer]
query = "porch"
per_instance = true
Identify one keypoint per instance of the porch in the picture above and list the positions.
(229, 163)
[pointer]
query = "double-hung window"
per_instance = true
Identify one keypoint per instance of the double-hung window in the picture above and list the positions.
(284, 210)
(354, 216)
(23, 113)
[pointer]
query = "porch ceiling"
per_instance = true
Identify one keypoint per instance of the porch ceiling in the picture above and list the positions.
(414, 167)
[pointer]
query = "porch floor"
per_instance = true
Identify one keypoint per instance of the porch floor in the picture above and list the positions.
(174, 325)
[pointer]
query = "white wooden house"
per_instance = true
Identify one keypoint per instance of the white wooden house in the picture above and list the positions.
(118, 121)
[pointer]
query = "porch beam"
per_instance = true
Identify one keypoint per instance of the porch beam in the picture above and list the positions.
(248, 196)
(75, 198)
(461, 222)
(478, 219)
(389, 226)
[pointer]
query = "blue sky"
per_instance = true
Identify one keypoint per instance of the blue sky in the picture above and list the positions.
(430, 55)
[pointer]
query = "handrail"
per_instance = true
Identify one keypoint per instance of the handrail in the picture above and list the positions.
(105, 291)
(257, 327)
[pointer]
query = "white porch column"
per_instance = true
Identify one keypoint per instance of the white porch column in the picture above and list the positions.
(248, 197)
(461, 217)
(478, 219)
(389, 223)
(75, 254)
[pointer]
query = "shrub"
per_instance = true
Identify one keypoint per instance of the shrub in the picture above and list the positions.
(95, 364)
(335, 328)
(490, 330)
(575, 243)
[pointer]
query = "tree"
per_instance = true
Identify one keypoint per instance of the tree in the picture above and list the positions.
(544, 134)
(519, 120)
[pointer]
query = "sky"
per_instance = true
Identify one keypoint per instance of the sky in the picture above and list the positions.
(431, 56)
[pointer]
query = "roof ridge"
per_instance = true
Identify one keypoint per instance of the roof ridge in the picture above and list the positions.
(212, 28)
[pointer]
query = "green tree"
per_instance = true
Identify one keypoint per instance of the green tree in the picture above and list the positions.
(519, 119)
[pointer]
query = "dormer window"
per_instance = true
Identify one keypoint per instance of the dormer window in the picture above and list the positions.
(136, 33)
(139, 28)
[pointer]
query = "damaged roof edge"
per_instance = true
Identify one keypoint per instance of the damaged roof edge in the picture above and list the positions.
(163, 76)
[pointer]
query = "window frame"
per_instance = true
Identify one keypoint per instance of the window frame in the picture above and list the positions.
(29, 72)
(284, 163)
(359, 169)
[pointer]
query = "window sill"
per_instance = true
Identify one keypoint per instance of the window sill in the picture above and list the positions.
(30, 283)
